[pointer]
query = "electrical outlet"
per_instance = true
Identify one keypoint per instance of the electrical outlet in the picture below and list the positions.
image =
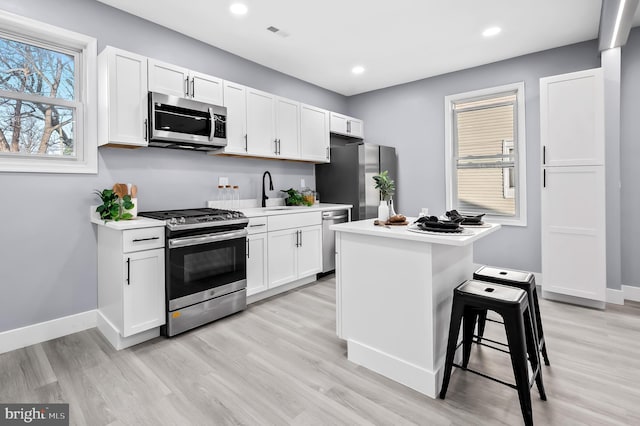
(223, 180)
(302, 185)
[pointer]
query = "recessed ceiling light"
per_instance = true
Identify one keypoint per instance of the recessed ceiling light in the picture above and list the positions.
(357, 70)
(490, 32)
(238, 9)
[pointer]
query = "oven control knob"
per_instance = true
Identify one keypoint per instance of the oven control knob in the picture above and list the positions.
(173, 221)
(229, 216)
(182, 220)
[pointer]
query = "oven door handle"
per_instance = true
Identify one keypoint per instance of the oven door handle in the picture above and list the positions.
(205, 239)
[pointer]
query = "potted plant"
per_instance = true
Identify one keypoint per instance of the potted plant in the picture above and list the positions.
(113, 207)
(295, 198)
(386, 186)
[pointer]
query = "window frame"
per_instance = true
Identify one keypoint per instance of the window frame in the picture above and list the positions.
(85, 130)
(520, 217)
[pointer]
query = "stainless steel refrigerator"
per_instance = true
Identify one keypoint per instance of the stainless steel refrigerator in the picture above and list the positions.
(348, 179)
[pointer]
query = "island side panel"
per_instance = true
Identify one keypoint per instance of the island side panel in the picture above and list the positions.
(386, 307)
(451, 266)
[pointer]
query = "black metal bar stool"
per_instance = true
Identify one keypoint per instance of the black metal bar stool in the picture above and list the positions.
(470, 298)
(522, 280)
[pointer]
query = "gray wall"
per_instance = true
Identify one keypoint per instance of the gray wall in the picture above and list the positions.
(411, 118)
(47, 245)
(630, 154)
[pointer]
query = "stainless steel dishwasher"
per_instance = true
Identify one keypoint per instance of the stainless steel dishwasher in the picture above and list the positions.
(329, 239)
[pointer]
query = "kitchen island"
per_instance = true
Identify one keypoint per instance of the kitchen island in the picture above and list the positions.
(394, 290)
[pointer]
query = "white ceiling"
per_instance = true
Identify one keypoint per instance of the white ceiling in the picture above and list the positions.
(396, 41)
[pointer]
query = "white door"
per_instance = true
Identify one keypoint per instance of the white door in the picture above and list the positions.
(235, 101)
(314, 134)
(168, 79)
(256, 263)
(261, 138)
(573, 231)
(339, 123)
(206, 88)
(288, 127)
(355, 128)
(127, 99)
(310, 251)
(143, 291)
(572, 119)
(282, 257)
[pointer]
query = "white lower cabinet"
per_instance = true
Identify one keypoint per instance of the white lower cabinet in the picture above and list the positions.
(142, 299)
(282, 249)
(295, 247)
(257, 255)
(131, 290)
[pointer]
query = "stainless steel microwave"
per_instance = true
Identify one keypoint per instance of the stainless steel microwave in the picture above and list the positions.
(181, 123)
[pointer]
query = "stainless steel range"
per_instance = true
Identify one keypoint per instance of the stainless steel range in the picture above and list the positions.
(206, 265)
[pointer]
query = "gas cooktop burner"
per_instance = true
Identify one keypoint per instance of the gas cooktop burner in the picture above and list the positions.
(197, 218)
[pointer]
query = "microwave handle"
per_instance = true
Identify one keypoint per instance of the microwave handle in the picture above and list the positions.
(213, 124)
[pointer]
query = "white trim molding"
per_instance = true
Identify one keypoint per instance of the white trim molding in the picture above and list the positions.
(520, 218)
(615, 296)
(631, 293)
(86, 124)
(41, 332)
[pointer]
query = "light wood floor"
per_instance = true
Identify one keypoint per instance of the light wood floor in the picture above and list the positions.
(280, 363)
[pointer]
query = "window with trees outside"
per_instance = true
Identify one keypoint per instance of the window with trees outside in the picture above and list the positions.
(47, 81)
(485, 148)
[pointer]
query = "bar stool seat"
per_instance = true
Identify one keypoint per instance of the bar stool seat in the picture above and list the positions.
(469, 299)
(519, 279)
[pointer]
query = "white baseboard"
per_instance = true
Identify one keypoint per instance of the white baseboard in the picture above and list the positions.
(631, 293)
(615, 296)
(41, 332)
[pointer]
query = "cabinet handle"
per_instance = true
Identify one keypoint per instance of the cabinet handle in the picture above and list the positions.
(193, 87)
(146, 129)
(327, 153)
(275, 146)
(544, 178)
(544, 154)
(128, 270)
(348, 126)
(248, 256)
(297, 239)
(137, 240)
(186, 87)
(279, 146)
(246, 145)
(300, 238)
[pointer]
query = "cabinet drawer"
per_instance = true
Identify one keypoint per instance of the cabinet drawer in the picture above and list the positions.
(142, 239)
(294, 220)
(257, 225)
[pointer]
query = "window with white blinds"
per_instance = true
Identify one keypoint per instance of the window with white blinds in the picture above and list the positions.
(485, 153)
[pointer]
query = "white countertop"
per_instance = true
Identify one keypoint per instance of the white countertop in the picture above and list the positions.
(135, 223)
(278, 210)
(366, 227)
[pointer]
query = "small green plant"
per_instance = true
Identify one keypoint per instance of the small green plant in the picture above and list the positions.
(295, 198)
(112, 206)
(386, 185)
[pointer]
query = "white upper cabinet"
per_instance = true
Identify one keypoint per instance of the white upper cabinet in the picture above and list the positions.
(122, 104)
(287, 128)
(261, 132)
(314, 134)
(236, 103)
(346, 126)
(572, 119)
(178, 81)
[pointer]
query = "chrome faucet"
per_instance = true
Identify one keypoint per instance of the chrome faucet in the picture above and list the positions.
(264, 195)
